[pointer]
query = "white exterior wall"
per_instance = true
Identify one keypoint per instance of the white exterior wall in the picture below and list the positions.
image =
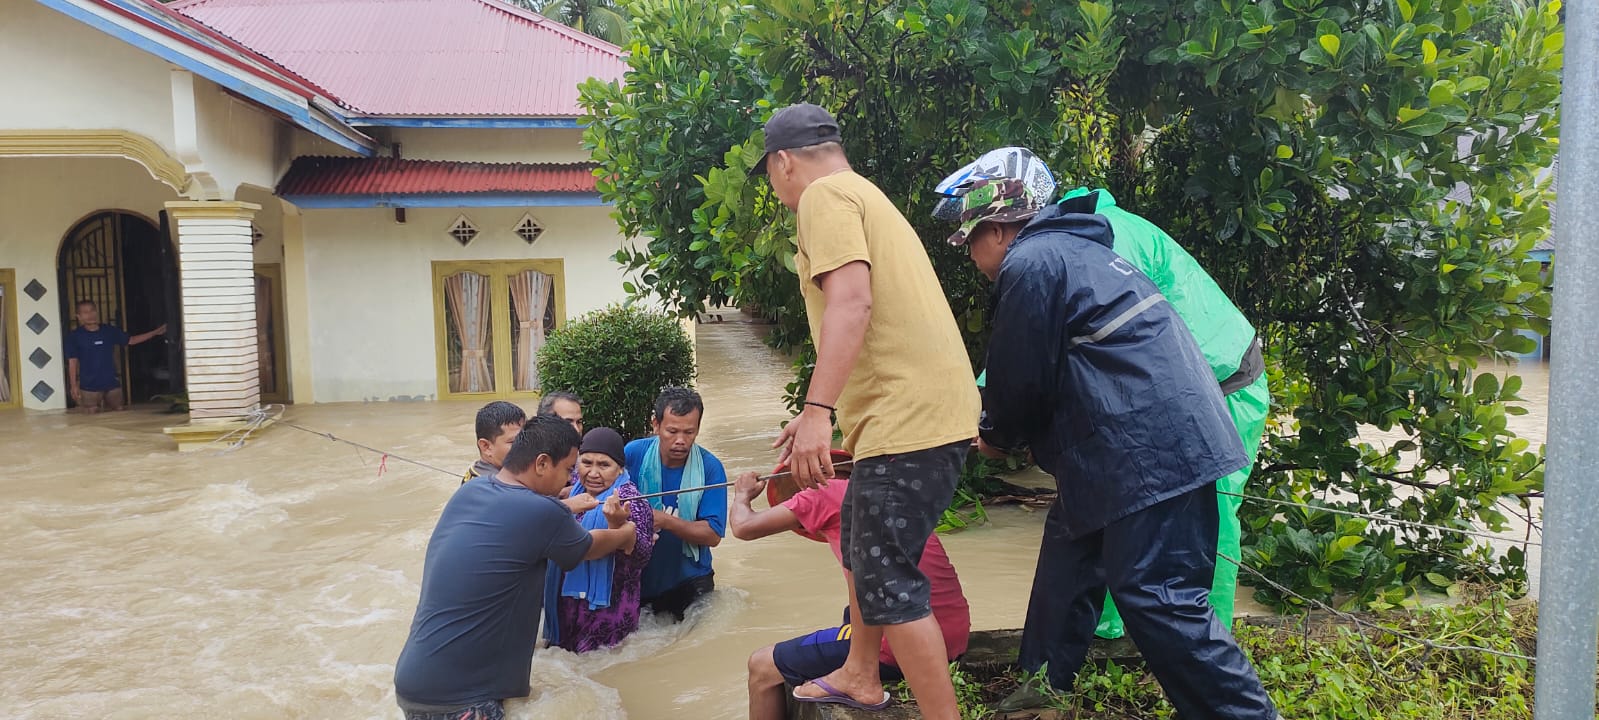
(371, 287)
(237, 141)
(77, 77)
(41, 199)
(304, 143)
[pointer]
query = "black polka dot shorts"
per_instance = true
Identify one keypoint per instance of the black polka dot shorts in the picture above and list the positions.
(892, 505)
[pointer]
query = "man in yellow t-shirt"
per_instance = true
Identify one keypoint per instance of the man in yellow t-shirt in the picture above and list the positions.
(891, 364)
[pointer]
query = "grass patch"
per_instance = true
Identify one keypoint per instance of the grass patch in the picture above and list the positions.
(1318, 667)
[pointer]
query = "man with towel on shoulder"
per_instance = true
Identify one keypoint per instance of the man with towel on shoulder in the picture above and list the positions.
(688, 524)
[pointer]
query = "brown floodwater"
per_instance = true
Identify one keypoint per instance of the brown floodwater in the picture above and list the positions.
(278, 580)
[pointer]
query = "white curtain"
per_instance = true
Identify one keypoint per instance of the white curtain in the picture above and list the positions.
(530, 293)
(5, 352)
(467, 295)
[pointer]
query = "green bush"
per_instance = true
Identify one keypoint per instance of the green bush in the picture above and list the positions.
(617, 360)
(1306, 152)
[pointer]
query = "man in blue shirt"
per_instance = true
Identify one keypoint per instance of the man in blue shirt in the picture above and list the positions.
(471, 642)
(91, 359)
(688, 524)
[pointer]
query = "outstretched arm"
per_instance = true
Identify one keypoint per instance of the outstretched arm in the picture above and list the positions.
(751, 524)
(1022, 351)
(610, 540)
(697, 532)
(808, 440)
(142, 337)
(643, 517)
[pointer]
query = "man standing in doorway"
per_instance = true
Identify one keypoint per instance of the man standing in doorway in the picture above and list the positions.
(689, 523)
(91, 359)
(890, 362)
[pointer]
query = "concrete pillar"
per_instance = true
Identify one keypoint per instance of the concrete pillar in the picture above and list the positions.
(217, 267)
(296, 305)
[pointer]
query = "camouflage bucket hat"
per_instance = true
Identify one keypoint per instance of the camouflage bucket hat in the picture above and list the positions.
(995, 200)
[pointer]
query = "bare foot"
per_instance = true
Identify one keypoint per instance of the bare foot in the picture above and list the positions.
(864, 690)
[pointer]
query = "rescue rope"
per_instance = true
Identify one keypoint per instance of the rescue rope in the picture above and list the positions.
(1383, 519)
(274, 413)
(265, 414)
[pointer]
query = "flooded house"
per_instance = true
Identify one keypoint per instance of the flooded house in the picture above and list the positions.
(322, 200)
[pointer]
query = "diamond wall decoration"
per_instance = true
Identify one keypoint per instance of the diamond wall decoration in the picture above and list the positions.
(43, 391)
(529, 229)
(463, 230)
(39, 358)
(37, 324)
(34, 290)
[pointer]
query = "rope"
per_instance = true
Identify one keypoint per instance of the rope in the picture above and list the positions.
(1383, 519)
(257, 419)
(261, 416)
(386, 454)
(764, 478)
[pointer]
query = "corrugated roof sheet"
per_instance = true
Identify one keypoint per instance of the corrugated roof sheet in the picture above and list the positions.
(313, 175)
(413, 58)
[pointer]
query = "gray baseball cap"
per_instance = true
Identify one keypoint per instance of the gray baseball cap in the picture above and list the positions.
(797, 126)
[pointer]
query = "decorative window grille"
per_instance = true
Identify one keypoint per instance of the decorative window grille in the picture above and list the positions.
(463, 230)
(529, 229)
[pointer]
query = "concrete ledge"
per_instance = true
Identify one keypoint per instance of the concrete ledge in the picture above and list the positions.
(988, 652)
(204, 435)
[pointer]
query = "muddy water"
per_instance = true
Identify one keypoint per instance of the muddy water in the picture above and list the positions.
(279, 580)
(1533, 427)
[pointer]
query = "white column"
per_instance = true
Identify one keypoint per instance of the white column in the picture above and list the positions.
(217, 265)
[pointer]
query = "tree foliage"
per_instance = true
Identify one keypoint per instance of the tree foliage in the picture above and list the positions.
(1363, 177)
(617, 360)
(604, 19)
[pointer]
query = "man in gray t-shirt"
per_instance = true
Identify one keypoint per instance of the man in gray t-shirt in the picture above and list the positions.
(471, 642)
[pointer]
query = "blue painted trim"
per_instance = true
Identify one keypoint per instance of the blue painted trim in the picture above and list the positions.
(299, 115)
(1541, 255)
(460, 122)
(447, 200)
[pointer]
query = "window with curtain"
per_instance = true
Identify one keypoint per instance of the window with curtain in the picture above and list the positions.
(494, 316)
(531, 292)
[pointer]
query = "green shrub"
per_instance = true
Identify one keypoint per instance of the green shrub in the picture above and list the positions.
(617, 360)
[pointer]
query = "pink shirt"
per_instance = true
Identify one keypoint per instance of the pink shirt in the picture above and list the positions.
(817, 510)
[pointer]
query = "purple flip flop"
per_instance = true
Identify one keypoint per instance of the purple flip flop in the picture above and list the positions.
(836, 697)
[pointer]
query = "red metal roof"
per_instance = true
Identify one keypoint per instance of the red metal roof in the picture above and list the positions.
(413, 58)
(391, 176)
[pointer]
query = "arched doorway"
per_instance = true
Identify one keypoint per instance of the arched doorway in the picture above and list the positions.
(127, 266)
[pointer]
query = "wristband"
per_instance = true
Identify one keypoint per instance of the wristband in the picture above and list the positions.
(828, 408)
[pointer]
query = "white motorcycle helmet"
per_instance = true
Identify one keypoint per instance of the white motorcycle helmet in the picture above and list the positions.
(1006, 162)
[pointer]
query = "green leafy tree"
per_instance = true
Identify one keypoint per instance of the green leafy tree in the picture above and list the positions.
(1365, 179)
(617, 360)
(604, 19)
